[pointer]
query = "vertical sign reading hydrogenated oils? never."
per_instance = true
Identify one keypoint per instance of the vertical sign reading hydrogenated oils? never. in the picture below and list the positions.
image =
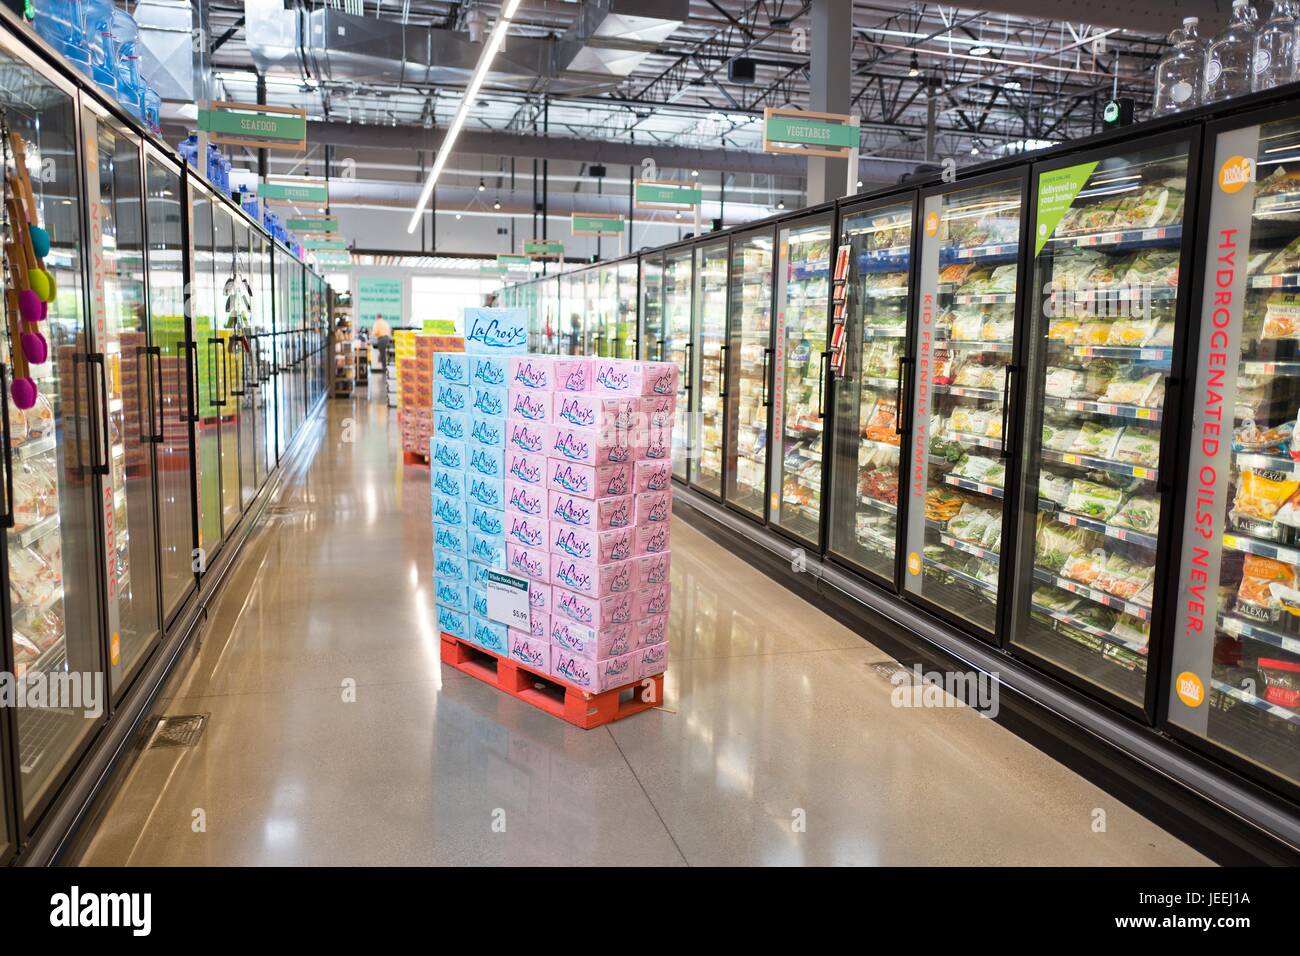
(1209, 467)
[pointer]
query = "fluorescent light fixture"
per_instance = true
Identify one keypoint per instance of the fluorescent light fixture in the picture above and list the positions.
(980, 50)
(462, 113)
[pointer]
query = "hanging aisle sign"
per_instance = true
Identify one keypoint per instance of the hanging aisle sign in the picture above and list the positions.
(834, 135)
(665, 194)
(507, 261)
(543, 249)
(314, 193)
(308, 225)
(258, 127)
(595, 224)
(333, 258)
(326, 245)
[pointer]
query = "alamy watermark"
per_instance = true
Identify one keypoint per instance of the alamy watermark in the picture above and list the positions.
(58, 690)
(921, 688)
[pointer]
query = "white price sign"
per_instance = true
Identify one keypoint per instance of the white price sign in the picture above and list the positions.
(507, 600)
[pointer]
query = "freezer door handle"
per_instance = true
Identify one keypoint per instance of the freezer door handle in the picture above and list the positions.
(7, 519)
(687, 350)
(191, 413)
(821, 384)
(899, 426)
(767, 366)
(156, 398)
(100, 442)
(212, 373)
(722, 369)
(142, 389)
(1006, 409)
(1165, 477)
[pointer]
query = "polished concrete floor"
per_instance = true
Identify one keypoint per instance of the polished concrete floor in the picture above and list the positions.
(336, 737)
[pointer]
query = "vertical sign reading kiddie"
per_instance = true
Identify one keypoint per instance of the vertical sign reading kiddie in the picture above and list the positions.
(918, 479)
(1209, 471)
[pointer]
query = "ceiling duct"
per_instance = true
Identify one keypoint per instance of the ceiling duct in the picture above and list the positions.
(604, 44)
(166, 47)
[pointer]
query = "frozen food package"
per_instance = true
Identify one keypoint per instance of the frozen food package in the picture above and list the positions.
(1064, 382)
(1139, 446)
(1054, 488)
(1260, 494)
(1096, 440)
(1092, 500)
(1250, 437)
(1139, 513)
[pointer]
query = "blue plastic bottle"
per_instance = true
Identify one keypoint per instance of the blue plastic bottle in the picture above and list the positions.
(63, 25)
(152, 110)
(102, 45)
(130, 90)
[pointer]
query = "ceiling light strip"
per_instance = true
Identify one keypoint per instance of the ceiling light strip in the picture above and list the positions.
(471, 94)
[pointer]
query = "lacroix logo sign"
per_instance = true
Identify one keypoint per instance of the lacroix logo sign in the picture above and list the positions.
(932, 224)
(1235, 173)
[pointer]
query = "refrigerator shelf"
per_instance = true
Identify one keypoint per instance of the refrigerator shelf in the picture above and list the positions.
(1277, 463)
(37, 446)
(1271, 368)
(979, 552)
(889, 446)
(992, 491)
(988, 394)
(969, 579)
(1273, 710)
(1248, 545)
(1239, 627)
(1286, 280)
(984, 441)
(876, 381)
(1132, 353)
(1125, 293)
(884, 332)
(1102, 635)
(1104, 408)
(1101, 527)
(1122, 240)
(29, 536)
(1100, 464)
(1092, 594)
(985, 298)
(976, 344)
(1001, 250)
(892, 292)
(884, 506)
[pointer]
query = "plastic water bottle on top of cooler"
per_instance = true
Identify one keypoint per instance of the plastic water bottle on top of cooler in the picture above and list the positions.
(1275, 47)
(1178, 74)
(1228, 60)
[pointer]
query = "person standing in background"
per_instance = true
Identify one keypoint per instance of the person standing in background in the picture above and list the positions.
(383, 338)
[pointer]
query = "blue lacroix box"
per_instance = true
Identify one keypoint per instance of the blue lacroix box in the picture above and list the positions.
(451, 367)
(478, 573)
(487, 370)
(477, 601)
(489, 635)
(487, 521)
(450, 540)
(453, 622)
(452, 594)
(453, 426)
(488, 462)
(449, 511)
(490, 432)
(447, 481)
(489, 549)
(445, 453)
(496, 331)
(450, 398)
(488, 492)
(488, 401)
(451, 568)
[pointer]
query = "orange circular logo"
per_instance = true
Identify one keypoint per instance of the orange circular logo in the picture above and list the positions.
(115, 649)
(913, 563)
(1236, 172)
(931, 223)
(1190, 689)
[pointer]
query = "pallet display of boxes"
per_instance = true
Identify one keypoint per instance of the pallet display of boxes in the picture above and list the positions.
(556, 470)
(416, 382)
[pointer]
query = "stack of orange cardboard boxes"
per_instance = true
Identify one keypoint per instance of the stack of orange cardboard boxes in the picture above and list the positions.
(415, 352)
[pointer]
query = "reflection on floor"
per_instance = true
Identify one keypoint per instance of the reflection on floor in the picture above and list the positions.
(778, 743)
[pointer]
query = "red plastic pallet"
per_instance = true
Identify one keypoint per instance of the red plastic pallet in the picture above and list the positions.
(579, 707)
(414, 458)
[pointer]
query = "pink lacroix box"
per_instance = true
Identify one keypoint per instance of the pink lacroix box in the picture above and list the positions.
(529, 405)
(536, 372)
(528, 437)
(532, 563)
(531, 500)
(593, 611)
(539, 597)
(616, 376)
(530, 469)
(652, 475)
(589, 481)
(653, 569)
(589, 445)
(527, 531)
(590, 675)
(658, 378)
(599, 547)
(590, 642)
(654, 507)
(650, 601)
(587, 577)
(657, 411)
(539, 625)
(572, 374)
(653, 630)
(658, 445)
(652, 538)
(601, 514)
(585, 410)
(533, 653)
(651, 660)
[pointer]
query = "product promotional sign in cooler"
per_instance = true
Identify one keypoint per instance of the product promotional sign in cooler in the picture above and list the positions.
(1235, 674)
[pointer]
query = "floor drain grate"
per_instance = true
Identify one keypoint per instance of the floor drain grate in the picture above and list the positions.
(890, 671)
(182, 730)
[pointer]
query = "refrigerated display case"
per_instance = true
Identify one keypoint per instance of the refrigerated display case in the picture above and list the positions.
(800, 368)
(964, 331)
(1234, 675)
(55, 449)
(678, 346)
(870, 301)
(749, 358)
(651, 347)
(624, 344)
(571, 334)
(243, 376)
(1108, 249)
(708, 385)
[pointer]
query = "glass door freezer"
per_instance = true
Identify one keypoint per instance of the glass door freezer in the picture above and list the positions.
(624, 343)
(749, 365)
(964, 330)
(708, 385)
(1109, 247)
(679, 345)
(651, 344)
(1234, 679)
(800, 368)
(871, 300)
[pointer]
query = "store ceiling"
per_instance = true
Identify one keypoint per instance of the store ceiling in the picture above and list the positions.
(1016, 74)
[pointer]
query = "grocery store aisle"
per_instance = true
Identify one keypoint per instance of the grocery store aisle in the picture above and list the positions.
(335, 736)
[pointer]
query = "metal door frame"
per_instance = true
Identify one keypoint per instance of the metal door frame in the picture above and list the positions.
(697, 252)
